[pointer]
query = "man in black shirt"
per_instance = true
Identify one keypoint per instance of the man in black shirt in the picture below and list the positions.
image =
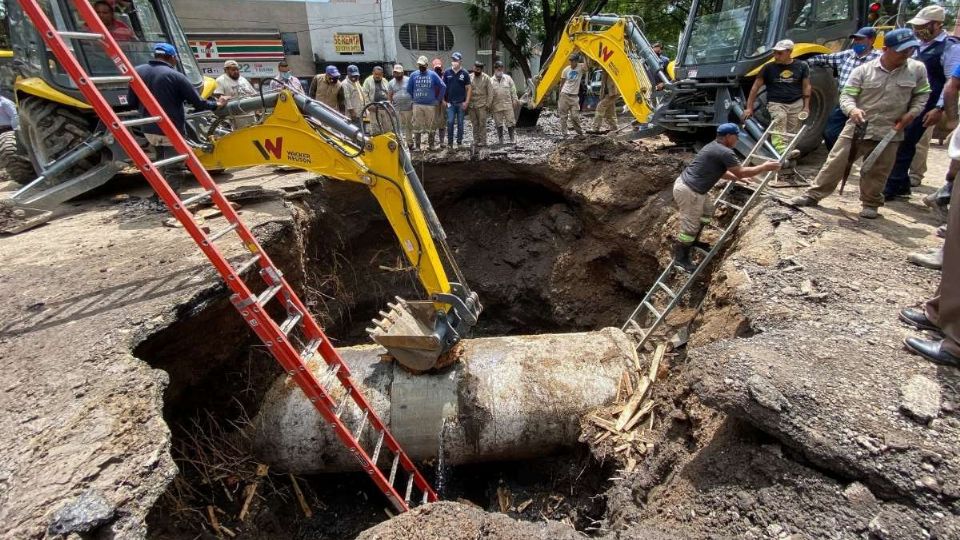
(691, 190)
(788, 93)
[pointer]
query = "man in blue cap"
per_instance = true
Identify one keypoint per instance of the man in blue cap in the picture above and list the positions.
(353, 94)
(886, 93)
(843, 63)
(691, 190)
(327, 89)
(457, 97)
(171, 89)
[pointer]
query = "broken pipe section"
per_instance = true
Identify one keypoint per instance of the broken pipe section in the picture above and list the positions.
(508, 398)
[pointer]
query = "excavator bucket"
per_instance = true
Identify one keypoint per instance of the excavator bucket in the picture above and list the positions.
(409, 333)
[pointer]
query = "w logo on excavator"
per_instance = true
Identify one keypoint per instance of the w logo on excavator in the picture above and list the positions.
(268, 147)
(605, 53)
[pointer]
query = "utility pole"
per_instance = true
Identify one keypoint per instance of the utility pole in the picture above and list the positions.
(493, 34)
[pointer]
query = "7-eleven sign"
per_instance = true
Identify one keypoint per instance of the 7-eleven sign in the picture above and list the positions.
(204, 49)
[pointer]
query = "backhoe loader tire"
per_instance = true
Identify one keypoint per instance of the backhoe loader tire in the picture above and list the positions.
(13, 162)
(822, 101)
(50, 130)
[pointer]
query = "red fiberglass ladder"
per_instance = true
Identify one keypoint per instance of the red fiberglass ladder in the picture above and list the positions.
(252, 307)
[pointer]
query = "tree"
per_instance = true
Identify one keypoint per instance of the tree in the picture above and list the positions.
(516, 27)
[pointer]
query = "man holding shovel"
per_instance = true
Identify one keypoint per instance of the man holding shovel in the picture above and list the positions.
(886, 94)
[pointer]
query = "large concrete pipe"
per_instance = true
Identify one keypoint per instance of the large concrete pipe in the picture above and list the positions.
(508, 398)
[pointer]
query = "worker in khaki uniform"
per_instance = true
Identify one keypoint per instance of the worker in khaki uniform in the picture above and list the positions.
(402, 101)
(504, 102)
(691, 190)
(568, 104)
(606, 113)
(327, 89)
(353, 95)
(888, 92)
(480, 102)
(375, 90)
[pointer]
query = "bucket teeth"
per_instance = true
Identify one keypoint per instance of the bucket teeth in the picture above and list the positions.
(407, 330)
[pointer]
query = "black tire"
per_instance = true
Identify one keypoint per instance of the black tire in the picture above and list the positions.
(49, 130)
(12, 161)
(822, 101)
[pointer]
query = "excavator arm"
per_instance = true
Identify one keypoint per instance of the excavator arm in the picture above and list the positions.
(618, 46)
(305, 134)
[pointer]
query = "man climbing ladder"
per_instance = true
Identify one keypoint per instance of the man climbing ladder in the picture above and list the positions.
(299, 326)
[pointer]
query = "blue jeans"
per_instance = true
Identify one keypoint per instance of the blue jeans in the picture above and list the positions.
(455, 114)
(835, 123)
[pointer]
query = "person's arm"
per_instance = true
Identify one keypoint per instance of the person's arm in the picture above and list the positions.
(951, 91)
(754, 90)
(469, 93)
(341, 101)
(918, 100)
(490, 96)
(189, 94)
(849, 95)
(739, 172)
(313, 87)
(807, 89)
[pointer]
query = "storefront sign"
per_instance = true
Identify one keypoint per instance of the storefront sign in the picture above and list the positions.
(347, 43)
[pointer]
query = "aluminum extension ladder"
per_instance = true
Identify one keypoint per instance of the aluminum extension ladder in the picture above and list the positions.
(661, 290)
(278, 337)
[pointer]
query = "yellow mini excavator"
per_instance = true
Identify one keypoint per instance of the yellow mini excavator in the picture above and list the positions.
(299, 132)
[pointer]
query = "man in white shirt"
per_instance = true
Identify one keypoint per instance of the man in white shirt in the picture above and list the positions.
(568, 106)
(232, 85)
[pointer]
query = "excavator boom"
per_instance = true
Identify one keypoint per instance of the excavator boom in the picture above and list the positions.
(618, 46)
(302, 133)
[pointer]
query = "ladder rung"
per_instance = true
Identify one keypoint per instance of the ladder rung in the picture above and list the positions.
(268, 294)
(377, 448)
(363, 424)
(393, 469)
(246, 265)
(637, 328)
(170, 161)
(188, 201)
(110, 79)
(222, 232)
(666, 289)
(311, 348)
(80, 35)
(701, 250)
(141, 121)
(730, 204)
(406, 496)
(424, 499)
(343, 403)
(291, 321)
(652, 309)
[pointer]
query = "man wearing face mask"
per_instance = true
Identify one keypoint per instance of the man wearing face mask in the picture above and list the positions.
(457, 98)
(888, 92)
(327, 89)
(504, 102)
(402, 101)
(481, 99)
(940, 54)
(843, 63)
(427, 90)
(353, 94)
(285, 79)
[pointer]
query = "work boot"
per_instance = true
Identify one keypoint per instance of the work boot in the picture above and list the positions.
(803, 200)
(869, 212)
(932, 259)
(933, 203)
(417, 138)
(432, 139)
(681, 256)
(793, 154)
(511, 131)
(443, 138)
(500, 134)
(942, 231)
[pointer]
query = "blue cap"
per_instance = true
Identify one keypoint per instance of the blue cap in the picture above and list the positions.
(165, 49)
(865, 32)
(333, 71)
(456, 56)
(353, 70)
(728, 129)
(900, 39)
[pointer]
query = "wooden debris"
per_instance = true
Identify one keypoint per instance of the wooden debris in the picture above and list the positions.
(647, 407)
(503, 499)
(631, 464)
(605, 424)
(214, 522)
(523, 506)
(303, 502)
(655, 362)
(634, 402)
(230, 533)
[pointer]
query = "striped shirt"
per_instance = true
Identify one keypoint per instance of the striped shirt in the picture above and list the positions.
(842, 63)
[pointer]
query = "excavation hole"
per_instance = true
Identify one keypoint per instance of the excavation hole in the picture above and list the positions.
(540, 260)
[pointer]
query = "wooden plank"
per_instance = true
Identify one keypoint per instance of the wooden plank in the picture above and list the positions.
(633, 403)
(647, 407)
(605, 424)
(300, 498)
(655, 362)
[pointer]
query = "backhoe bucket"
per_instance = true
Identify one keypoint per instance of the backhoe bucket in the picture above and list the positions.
(409, 333)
